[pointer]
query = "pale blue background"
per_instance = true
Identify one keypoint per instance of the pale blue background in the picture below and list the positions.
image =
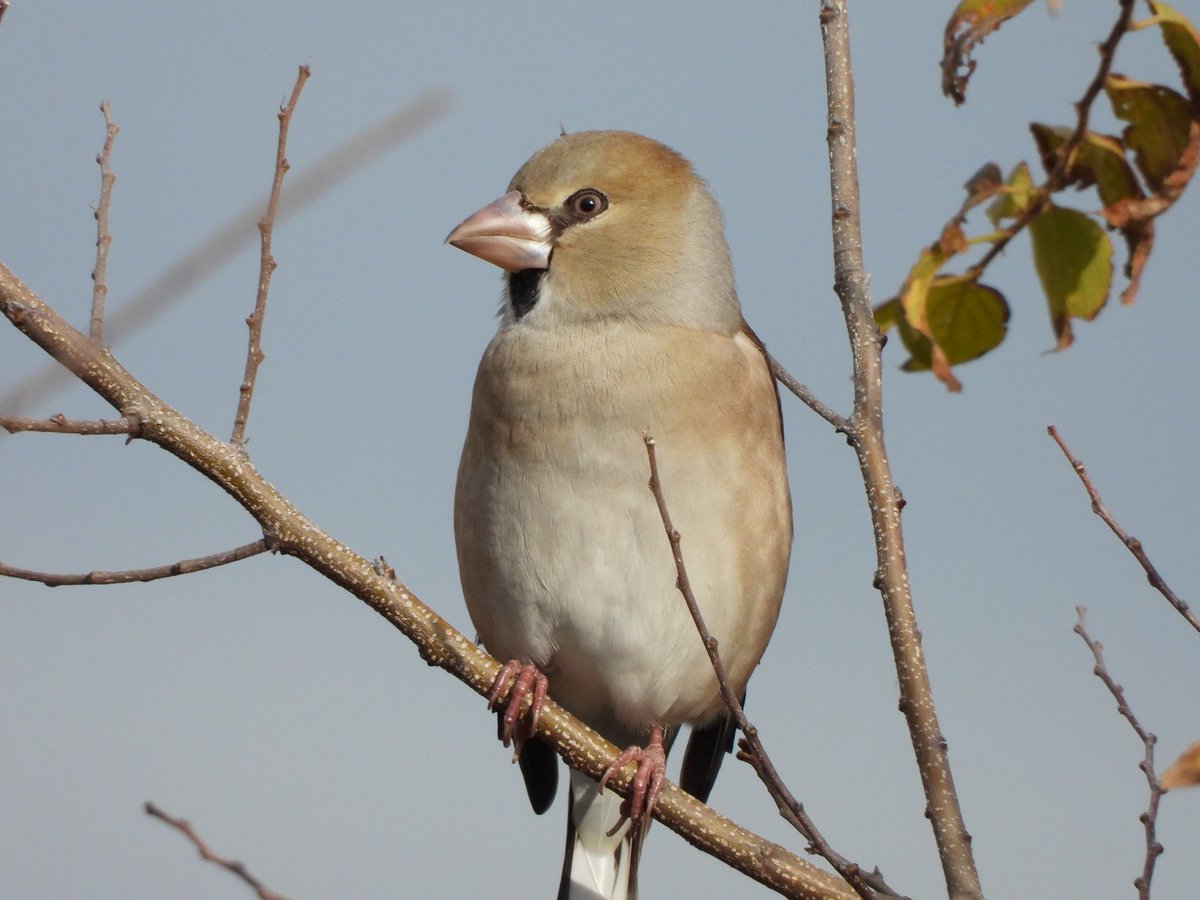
(300, 732)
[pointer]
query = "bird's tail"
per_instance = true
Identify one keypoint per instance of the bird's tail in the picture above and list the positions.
(598, 866)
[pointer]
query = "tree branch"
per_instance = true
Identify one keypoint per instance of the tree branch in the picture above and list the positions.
(1131, 543)
(437, 642)
(266, 226)
(865, 432)
(1149, 818)
(182, 567)
(206, 853)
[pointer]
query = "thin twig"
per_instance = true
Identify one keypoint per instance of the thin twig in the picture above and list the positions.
(1131, 543)
(254, 322)
(206, 853)
(127, 576)
(784, 377)
(1066, 151)
(304, 189)
(103, 237)
(1149, 818)
(866, 885)
(60, 424)
(865, 433)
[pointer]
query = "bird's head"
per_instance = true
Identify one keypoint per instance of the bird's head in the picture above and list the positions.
(608, 224)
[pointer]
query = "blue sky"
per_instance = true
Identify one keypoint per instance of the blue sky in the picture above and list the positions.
(304, 736)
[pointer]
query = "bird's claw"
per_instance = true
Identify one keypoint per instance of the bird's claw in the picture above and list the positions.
(647, 782)
(525, 678)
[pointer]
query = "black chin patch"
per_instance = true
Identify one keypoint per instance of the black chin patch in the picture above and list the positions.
(524, 288)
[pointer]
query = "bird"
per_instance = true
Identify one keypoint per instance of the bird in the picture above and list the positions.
(619, 323)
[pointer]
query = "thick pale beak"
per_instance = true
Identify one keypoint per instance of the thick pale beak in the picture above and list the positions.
(506, 235)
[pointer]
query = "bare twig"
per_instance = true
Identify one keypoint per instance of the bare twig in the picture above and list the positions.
(170, 570)
(254, 322)
(103, 237)
(60, 424)
(437, 641)
(866, 885)
(1149, 818)
(304, 189)
(1131, 543)
(206, 853)
(1066, 151)
(784, 377)
(865, 433)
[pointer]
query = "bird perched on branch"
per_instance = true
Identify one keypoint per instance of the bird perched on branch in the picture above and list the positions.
(619, 321)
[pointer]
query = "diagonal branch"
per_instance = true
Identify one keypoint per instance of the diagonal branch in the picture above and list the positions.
(437, 641)
(865, 433)
(866, 885)
(1131, 543)
(266, 226)
(170, 570)
(207, 853)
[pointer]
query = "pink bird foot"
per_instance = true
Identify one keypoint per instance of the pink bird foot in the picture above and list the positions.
(647, 781)
(525, 677)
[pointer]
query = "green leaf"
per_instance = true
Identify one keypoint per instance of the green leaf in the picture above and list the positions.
(1011, 203)
(1073, 257)
(1183, 42)
(1159, 125)
(967, 319)
(1099, 161)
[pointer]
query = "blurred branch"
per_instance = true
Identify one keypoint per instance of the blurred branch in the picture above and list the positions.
(866, 885)
(206, 853)
(182, 567)
(1150, 817)
(266, 225)
(304, 189)
(1131, 543)
(103, 237)
(865, 433)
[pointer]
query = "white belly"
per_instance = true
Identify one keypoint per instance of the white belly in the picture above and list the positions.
(564, 559)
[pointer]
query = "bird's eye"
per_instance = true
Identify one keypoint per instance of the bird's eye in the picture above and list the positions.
(587, 203)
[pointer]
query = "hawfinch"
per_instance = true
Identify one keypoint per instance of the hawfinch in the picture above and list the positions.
(619, 321)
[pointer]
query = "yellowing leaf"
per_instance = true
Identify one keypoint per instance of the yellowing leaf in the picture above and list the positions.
(1011, 203)
(1183, 42)
(1184, 771)
(969, 24)
(1159, 125)
(1073, 257)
